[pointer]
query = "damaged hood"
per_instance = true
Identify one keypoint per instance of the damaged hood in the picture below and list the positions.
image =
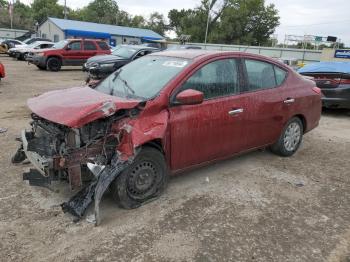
(77, 106)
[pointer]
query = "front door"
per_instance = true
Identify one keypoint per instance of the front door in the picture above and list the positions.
(211, 130)
(73, 54)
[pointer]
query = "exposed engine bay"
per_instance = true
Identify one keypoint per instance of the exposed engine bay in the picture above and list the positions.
(86, 157)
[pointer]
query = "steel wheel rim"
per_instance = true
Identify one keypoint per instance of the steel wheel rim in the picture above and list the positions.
(142, 180)
(292, 136)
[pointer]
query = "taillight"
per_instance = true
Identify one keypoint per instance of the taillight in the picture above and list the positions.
(344, 81)
(317, 90)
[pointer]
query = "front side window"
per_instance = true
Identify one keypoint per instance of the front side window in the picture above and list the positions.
(261, 75)
(89, 45)
(216, 79)
(75, 45)
(143, 78)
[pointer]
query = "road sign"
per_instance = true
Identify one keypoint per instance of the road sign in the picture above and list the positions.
(342, 53)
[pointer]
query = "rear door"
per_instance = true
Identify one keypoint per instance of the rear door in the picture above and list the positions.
(213, 129)
(90, 49)
(73, 55)
(267, 102)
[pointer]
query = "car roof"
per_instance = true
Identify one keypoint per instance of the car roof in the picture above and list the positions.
(193, 53)
(139, 47)
(43, 42)
(86, 39)
(326, 67)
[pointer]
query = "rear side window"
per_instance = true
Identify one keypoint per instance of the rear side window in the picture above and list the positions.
(216, 79)
(280, 75)
(103, 45)
(261, 75)
(89, 45)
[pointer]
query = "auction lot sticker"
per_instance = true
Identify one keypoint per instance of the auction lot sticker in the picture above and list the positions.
(175, 63)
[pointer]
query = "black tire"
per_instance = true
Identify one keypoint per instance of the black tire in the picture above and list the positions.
(54, 64)
(19, 156)
(20, 57)
(286, 145)
(132, 188)
(41, 67)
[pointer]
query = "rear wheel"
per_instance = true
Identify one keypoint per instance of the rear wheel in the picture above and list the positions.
(54, 64)
(144, 180)
(290, 139)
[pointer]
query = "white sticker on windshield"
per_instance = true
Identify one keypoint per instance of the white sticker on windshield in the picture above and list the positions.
(175, 63)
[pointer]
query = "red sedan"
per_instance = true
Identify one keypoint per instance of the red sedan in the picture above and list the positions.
(2, 71)
(162, 114)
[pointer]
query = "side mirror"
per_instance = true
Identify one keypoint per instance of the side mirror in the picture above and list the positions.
(190, 97)
(68, 48)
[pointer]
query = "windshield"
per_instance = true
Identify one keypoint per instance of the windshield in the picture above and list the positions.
(33, 45)
(144, 78)
(60, 44)
(124, 52)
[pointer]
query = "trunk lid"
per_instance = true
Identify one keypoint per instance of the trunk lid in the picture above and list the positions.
(329, 80)
(75, 107)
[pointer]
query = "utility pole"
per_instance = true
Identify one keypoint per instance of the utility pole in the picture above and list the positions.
(206, 31)
(65, 9)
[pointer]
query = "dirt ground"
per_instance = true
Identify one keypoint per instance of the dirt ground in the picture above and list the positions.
(256, 207)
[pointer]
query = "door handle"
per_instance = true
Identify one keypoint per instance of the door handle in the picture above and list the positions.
(235, 112)
(289, 101)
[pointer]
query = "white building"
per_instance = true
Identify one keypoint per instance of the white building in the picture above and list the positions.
(7, 33)
(58, 29)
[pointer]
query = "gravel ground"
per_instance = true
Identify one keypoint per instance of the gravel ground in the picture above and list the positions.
(256, 207)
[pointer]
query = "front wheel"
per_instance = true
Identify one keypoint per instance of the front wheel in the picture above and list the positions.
(290, 139)
(54, 64)
(144, 180)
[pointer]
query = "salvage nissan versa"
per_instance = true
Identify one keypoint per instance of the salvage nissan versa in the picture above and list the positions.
(162, 114)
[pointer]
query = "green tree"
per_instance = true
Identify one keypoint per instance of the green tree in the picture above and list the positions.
(42, 9)
(156, 22)
(138, 21)
(100, 11)
(230, 21)
(22, 16)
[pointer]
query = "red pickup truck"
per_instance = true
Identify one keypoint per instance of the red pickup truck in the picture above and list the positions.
(69, 52)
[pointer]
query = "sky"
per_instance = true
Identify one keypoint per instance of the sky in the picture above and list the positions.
(298, 17)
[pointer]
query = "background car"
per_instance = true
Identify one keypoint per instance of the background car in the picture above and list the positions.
(35, 39)
(164, 113)
(70, 52)
(10, 43)
(182, 47)
(333, 78)
(21, 52)
(2, 71)
(98, 67)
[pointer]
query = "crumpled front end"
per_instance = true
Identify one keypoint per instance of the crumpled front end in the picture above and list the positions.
(86, 157)
(61, 153)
